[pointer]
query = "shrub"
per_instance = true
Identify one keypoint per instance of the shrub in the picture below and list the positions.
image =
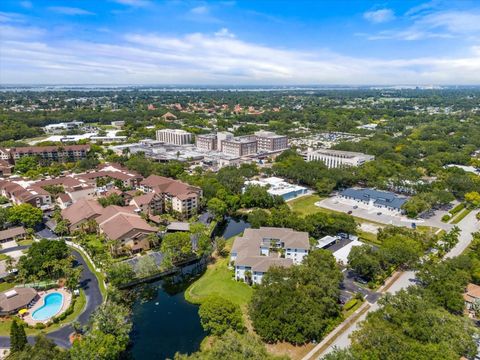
(446, 217)
(350, 304)
(457, 209)
(40, 326)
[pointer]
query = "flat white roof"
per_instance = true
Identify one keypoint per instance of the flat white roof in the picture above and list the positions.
(325, 241)
(341, 255)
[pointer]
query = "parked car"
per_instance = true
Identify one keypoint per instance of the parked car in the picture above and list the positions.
(379, 213)
(349, 212)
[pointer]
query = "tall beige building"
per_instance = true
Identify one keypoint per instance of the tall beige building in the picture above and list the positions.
(174, 136)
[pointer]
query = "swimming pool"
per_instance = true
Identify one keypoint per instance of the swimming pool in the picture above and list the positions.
(52, 304)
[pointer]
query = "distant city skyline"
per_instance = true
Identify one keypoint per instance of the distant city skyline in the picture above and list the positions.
(240, 42)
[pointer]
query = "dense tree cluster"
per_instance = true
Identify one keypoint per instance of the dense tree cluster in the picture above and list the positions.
(218, 315)
(297, 304)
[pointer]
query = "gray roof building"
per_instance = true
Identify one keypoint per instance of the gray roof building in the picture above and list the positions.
(381, 198)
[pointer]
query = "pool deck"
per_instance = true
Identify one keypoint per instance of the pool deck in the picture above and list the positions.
(67, 300)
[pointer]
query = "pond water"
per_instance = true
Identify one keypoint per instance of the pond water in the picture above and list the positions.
(232, 227)
(165, 324)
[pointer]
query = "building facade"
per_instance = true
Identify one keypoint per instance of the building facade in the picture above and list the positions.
(207, 142)
(338, 158)
(174, 136)
(240, 146)
(271, 142)
(257, 250)
(65, 153)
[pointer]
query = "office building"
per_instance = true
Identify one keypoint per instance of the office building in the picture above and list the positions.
(174, 136)
(271, 142)
(338, 158)
(206, 142)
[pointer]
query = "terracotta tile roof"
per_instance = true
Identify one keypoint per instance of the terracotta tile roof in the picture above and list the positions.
(64, 197)
(144, 199)
(161, 184)
(118, 221)
(472, 293)
(82, 210)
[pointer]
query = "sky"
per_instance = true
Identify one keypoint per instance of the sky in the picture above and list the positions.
(262, 42)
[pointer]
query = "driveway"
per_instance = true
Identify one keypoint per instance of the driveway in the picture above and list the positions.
(89, 284)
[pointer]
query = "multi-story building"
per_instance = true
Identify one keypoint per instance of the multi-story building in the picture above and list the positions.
(176, 195)
(60, 127)
(206, 142)
(338, 158)
(257, 250)
(64, 153)
(271, 142)
(19, 193)
(240, 146)
(174, 136)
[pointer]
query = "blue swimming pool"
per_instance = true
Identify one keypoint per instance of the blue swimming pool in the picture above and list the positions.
(52, 304)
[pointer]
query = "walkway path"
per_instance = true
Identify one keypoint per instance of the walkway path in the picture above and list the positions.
(90, 286)
(467, 226)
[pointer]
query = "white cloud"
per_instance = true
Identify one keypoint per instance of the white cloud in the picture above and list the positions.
(200, 10)
(379, 16)
(224, 32)
(215, 59)
(65, 10)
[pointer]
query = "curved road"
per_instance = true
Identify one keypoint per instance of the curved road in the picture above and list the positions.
(90, 286)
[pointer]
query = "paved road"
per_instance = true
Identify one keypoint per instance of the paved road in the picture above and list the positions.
(467, 226)
(89, 284)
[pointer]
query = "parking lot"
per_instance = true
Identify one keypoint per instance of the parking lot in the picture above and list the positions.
(380, 215)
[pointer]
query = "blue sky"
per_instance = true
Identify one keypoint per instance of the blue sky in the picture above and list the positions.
(240, 42)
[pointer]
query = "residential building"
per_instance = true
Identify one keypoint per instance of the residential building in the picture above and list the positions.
(257, 250)
(13, 300)
(206, 142)
(240, 146)
(176, 196)
(118, 124)
(12, 234)
(471, 297)
(5, 168)
(279, 187)
(81, 212)
(64, 201)
(128, 179)
(271, 142)
(125, 227)
(149, 203)
(64, 153)
(372, 198)
(174, 136)
(338, 158)
(21, 193)
(5, 154)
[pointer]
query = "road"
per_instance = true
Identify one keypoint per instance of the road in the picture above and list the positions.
(91, 288)
(467, 226)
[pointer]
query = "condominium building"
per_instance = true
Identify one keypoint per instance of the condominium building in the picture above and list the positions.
(271, 142)
(206, 142)
(174, 136)
(62, 153)
(240, 146)
(338, 158)
(257, 250)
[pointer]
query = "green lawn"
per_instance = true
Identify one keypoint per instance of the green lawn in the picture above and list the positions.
(4, 286)
(218, 280)
(461, 216)
(24, 242)
(305, 205)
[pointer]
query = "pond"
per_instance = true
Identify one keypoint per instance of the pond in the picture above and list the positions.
(165, 324)
(232, 227)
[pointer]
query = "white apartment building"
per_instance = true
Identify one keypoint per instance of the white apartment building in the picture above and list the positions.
(338, 158)
(174, 136)
(257, 250)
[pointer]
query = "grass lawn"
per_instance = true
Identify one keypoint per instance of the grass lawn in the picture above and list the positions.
(3, 257)
(305, 205)
(368, 237)
(24, 242)
(461, 216)
(218, 280)
(4, 286)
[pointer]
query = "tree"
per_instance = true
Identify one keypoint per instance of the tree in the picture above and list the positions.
(220, 244)
(104, 346)
(401, 251)
(25, 214)
(62, 228)
(234, 346)
(146, 266)
(217, 207)
(473, 198)
(297, 304)
(176, 246)
(364, 261)
(25, 164)
(325, 186)
(18, 339)
(217, 315)
(120, 273)
(43, 348)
